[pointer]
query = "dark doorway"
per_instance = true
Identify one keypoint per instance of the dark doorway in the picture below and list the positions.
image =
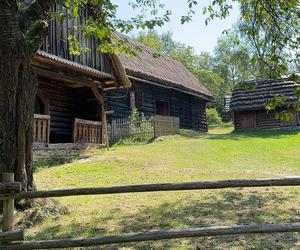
(39, 107)
(162, 108)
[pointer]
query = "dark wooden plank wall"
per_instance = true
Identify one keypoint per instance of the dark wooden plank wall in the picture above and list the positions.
(190, 109)
(56, 42)
(61, 109)
(66, 104)
(264, 120)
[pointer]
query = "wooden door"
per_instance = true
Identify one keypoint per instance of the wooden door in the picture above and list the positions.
(162, 108)
(248, 120)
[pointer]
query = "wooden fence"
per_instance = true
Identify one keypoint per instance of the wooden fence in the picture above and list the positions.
(41, 128)
(166, 125)
(10, 190)
(143, 128)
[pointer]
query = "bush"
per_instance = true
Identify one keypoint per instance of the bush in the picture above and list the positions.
(213, 117)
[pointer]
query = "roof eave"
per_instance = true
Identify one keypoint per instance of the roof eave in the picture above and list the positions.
(207, 98)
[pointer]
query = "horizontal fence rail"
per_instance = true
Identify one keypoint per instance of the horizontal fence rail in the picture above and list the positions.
(154, 236)
(222, 184)
(10, 190)
(12, 236)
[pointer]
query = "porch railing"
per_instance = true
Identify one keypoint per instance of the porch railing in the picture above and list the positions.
(85, 131)
(41, 128)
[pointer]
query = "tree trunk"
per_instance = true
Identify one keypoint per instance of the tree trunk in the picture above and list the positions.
(18, 86)
(26, 93)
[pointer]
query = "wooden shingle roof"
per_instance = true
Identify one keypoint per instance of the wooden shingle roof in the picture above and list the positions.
(162, 69)
(262, 92)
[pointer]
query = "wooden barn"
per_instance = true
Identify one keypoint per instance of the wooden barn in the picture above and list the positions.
(77, 94)
(248, 105)
(70, 101)
(160, 86)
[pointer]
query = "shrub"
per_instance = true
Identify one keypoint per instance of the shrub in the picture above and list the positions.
(213, 117)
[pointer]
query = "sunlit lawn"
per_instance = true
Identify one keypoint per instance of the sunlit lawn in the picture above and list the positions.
(220, 154)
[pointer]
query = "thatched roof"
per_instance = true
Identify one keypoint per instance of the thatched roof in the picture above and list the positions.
(262, 92)
(161, 69)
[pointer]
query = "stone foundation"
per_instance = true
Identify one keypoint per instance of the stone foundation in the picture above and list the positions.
(63, 152)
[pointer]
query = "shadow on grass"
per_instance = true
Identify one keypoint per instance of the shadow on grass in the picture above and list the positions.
(52, 162)
(275, 134)
(222, 208)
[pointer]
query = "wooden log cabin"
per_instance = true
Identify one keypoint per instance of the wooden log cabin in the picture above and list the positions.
(248, 105)
(162, 86)
(70, 102)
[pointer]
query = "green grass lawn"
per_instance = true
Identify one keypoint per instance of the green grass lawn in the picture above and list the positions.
(220, 154)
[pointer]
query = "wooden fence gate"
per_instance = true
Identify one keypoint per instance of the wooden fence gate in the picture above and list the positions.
(143, 128)
(10, 191)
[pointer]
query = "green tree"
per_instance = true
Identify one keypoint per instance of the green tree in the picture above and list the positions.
(152, 40)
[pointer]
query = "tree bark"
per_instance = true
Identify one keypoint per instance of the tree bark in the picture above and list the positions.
(18, 87)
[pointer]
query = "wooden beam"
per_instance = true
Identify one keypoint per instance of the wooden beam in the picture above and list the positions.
(119, 70)
(100, 99)
(154, 188)
(155, 235)
(8, 206)
(40, 116)
(38, 59)
(109, 112)
(10, 187)
(96, 123)
(59, 76)
(12, 236)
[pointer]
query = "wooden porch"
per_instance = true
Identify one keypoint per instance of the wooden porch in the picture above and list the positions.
(84, 131)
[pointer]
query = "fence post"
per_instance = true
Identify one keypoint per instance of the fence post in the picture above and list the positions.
(154, 127)
(8, 206)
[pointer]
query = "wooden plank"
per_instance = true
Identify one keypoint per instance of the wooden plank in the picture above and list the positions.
(10, 187)
(12, 236)
(100, 99)
(223, 184)
(44, 130)
(48, 131)
(43, 117)
(156, 235)
(8, 206)
(39, 130)
(87, 122)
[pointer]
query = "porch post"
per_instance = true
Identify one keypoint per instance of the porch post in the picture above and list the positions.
(100, 99)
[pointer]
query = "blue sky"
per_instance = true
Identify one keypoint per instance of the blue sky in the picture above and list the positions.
(195, 33)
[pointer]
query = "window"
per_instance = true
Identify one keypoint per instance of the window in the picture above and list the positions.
(162, 108)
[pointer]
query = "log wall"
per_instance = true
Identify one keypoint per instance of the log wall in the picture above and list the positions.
(66, 104)
(56, 42)
(190, 109)
(264, 120)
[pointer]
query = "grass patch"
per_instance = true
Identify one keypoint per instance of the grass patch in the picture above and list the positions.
(220, 154)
